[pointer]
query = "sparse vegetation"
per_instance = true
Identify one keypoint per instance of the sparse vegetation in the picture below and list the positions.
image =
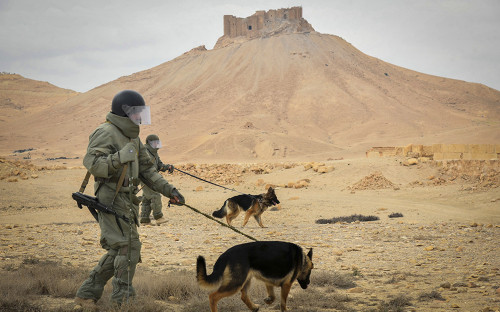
(349, 219)
(397, 304)
(433, 295)
(396, 215)
(173, 291)
(333, 279)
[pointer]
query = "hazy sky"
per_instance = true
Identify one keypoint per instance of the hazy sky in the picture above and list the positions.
(80, 45)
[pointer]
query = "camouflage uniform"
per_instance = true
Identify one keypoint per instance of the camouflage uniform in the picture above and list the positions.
(151, 199)
(103, 161)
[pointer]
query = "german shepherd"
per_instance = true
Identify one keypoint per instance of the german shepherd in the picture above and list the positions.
(277, 264)
(252, 204)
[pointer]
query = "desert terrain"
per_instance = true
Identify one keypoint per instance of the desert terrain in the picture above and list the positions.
(273, 109)
(445, 241)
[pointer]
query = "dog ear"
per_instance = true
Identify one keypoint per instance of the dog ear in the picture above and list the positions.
(310, 254)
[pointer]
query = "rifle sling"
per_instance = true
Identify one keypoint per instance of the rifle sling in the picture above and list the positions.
(120, 181)
(85, 182)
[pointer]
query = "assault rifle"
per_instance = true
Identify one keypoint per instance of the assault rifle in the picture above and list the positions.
(93, 205)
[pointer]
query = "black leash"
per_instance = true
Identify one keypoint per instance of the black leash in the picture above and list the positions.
(221, 223)
(209, 216)
(189, 174)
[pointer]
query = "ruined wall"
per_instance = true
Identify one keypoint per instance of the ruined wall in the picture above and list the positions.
(440, 151)
(250, 26)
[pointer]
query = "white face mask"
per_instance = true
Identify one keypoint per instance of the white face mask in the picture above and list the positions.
(140, 115)
(155, 144)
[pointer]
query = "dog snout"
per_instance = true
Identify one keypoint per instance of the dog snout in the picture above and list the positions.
(303, 284)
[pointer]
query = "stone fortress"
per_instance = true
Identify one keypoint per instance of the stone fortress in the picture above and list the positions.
(263, 24)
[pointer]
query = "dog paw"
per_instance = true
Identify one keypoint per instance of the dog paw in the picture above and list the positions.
(269, 300)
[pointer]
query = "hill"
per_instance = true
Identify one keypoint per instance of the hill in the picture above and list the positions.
(284, 95)
(20, 96)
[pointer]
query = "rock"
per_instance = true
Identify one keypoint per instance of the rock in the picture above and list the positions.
(355, 290)
(324, 169)
(412, 161)
(445, 285)
(337, 252)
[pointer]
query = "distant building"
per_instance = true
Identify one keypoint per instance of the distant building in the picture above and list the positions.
(253, 25)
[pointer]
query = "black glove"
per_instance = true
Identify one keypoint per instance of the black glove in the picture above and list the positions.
(169, 168)
(177, 198)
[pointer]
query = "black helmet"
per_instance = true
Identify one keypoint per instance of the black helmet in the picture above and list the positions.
(126, 97)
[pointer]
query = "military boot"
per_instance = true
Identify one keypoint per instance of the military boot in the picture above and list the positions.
(161, 220)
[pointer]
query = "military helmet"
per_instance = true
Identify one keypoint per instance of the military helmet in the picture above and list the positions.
(152, 137)
(126, 97)
(154, 141)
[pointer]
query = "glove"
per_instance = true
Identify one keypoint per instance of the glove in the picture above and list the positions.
(127, 153)
(177, 198)
(169, 168)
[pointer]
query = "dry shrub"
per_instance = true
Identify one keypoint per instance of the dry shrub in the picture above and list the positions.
(349, 219)
(41, 278)
(177, 285)
(433, 295)
(396, 215)
(313, 300)
(21, 287)
(333, 279)
(397, 304)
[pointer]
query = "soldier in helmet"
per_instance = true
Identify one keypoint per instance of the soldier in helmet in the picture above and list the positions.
(151, 199)
(116, 154)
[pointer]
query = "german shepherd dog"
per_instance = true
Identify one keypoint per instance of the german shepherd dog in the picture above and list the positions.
(252, 205)
(277, 264)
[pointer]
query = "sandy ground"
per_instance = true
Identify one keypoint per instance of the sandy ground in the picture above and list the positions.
(446, 241)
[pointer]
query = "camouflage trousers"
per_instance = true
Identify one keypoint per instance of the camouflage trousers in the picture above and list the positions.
(151, 201)
(114, 264)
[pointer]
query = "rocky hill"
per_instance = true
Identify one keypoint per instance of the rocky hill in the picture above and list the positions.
(282, 96)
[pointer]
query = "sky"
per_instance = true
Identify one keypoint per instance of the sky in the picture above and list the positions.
(80, 45)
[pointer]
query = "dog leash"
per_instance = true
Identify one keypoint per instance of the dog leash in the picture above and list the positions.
(209, 216)
(226, 188)
(221, 223)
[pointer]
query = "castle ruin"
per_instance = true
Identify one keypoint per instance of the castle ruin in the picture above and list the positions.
(262, 21)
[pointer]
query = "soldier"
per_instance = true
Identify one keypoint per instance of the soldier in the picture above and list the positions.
(151, 199)
(115, 154)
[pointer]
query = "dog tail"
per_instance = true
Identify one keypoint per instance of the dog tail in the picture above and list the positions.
(221, 212)
(206, 281)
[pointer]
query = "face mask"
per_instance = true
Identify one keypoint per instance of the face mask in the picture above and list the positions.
(140, 115)
(155, 144)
